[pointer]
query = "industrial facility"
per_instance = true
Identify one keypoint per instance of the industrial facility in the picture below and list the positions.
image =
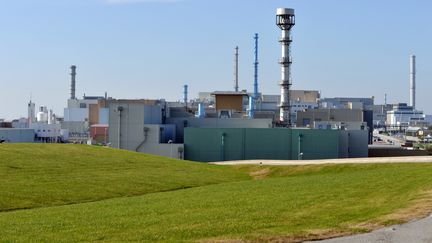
(231, 124)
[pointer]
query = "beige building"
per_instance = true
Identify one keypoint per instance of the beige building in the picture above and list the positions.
(308, 117)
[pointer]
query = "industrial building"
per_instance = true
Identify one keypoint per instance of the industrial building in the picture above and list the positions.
(236, 125)
(347, 103)
(81, 114)
(219, 125)
(137, 125)
(17, 135)
(402, 115)
(221, 144)
(380, 115)
(343, 118)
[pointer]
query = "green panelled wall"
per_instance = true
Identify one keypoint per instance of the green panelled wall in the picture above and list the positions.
(219, 144)
(267, 143)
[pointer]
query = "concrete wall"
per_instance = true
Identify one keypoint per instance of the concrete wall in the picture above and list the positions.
(181, 123)
(76, 114)
(132, 120)
(307, 117)
(17, 135)
(139, 129)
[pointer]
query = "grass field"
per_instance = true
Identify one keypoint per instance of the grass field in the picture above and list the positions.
(36, 175)
(248, 203)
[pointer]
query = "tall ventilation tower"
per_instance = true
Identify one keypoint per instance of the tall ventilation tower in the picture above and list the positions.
(412, 81)
(236, 83)
(285, 20)
(73, 75)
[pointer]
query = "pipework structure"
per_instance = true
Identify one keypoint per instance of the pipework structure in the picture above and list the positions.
(236, 83)
(73, 75)
(285, 20)
(413, 81)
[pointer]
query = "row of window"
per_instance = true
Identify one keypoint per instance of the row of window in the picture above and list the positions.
(303, 106)
(39, 130)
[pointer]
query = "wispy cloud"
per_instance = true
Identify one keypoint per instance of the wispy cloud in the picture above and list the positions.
(139, 1)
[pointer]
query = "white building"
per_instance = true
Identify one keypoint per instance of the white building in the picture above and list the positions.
(44, 124)
(403, 115)
(47, 132)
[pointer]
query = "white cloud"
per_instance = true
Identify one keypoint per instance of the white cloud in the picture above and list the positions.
(139, 1)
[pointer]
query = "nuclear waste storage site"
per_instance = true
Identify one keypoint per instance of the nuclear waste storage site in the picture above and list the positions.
(231, 123)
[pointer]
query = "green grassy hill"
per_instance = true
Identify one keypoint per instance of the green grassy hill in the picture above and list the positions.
(246, 203)
(36, 175)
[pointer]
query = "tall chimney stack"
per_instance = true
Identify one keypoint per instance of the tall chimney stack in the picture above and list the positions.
(73, 75)
(185, 95)
(256, 69)
(285, 20)
(412, 81)
(236, 62)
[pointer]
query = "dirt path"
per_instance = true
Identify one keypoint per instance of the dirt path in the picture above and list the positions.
(410, 159)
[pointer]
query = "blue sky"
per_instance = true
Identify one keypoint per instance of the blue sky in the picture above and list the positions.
(150, 48)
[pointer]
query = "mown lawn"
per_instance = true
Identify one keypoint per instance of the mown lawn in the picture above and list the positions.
(38, 175)
(286, 203)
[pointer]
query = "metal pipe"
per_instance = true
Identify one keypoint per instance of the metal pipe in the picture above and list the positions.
(251, 109)
(201, 111)
(300, 154)
(413, 81)
(223, 147)
(285, 20)
(145, 129)
(119, 110)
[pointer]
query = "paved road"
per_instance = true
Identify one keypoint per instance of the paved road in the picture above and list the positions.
(418, 231)
(408, 159)
(396, 141)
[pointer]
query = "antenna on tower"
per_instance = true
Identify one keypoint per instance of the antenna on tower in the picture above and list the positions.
(236, 85)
